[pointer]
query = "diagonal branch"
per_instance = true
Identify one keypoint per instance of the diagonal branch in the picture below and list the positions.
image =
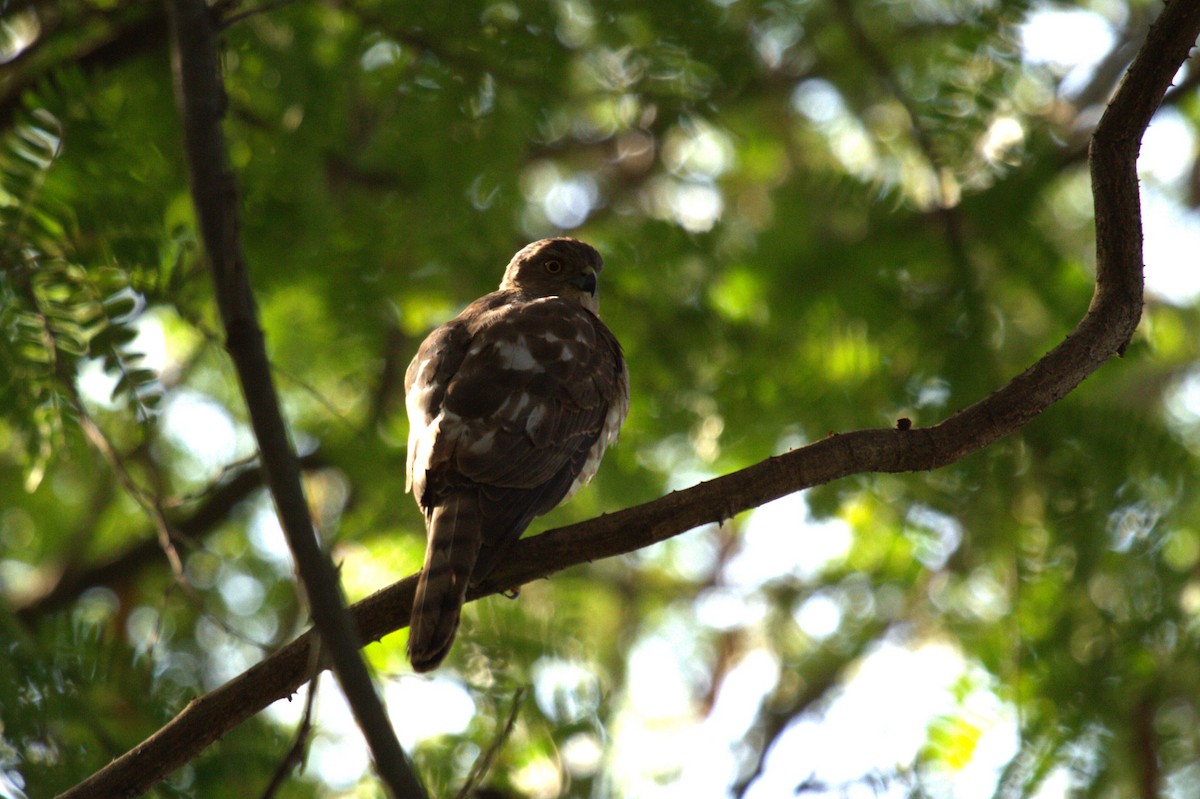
(1103, 332)
(829, 668)
(125, 565)
(201, 99)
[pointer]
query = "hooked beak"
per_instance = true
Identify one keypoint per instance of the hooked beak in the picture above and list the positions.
(585, 282)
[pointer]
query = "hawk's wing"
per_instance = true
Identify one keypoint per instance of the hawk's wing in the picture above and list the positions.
(518, 399)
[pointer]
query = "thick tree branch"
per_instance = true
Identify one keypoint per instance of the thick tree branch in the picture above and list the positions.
(1104, 331)
(201, 100)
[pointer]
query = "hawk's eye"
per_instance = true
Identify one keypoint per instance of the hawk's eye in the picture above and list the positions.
(553, 267)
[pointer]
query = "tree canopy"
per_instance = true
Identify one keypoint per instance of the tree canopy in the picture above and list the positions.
(815, 217)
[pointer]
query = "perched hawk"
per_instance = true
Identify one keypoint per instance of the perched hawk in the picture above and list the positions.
(510, 407)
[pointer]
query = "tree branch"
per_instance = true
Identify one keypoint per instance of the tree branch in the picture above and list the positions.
(125, 565)
(1104, 331)
(829, 668)
(298, 752)
(123, 37)
(201, 99)
(1145, 744)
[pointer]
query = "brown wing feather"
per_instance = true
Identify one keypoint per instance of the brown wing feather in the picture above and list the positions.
(533, 389)
(512, 509)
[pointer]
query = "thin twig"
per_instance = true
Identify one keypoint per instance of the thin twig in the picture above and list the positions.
(153, 507)
(878, 63)
(485, 761)
(1109, 70)
(829, 666)
(297, 752)
(947, 210)
(233, 19)
(335, 413)
(150, 503)
(215, 482)
(219, 499)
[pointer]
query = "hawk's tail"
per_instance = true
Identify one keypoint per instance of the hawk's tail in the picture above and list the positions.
(454, 537)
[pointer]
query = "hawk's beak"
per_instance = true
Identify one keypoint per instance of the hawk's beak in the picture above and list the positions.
(585, 282)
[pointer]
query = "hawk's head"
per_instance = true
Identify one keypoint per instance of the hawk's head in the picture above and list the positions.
(560, 267)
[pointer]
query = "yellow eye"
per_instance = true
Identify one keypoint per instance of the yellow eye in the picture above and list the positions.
(553, 267)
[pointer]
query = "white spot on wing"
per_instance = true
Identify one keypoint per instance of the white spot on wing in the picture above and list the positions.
(514, 406)
(516, 355)
(482, 444)
(535, 418)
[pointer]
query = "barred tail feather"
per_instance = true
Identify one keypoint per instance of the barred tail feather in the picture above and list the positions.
(455, 533)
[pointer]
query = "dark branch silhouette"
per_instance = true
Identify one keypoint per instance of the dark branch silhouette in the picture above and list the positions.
(1104, 331)
(126, 565)
(201, 99)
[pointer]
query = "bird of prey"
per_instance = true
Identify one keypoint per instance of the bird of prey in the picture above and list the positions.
(510, 406)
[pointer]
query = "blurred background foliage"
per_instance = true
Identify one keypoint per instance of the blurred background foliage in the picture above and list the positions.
(817, 216)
